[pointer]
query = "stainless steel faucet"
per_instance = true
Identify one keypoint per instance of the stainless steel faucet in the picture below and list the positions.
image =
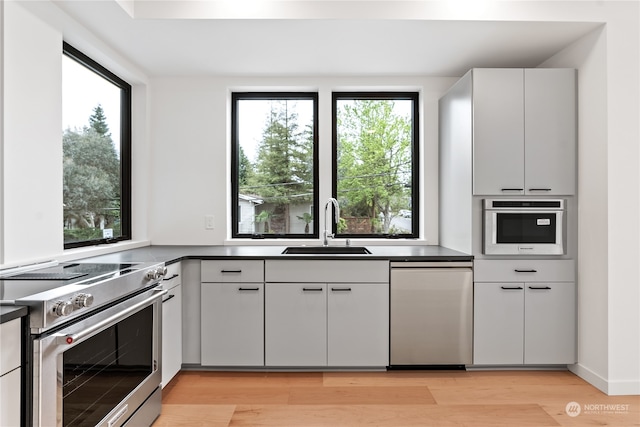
(336, 208)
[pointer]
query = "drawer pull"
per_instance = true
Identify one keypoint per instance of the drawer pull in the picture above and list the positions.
(525, 271)
(341, 289)
(172, 277)
(168, 298)
(230, 271)
(312, 289)
(539, 189)
(540, 287)
(513, 189)
(248, 289)
(511, 288)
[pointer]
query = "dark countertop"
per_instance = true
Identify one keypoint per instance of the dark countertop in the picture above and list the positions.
(170, 254)
(8, 313)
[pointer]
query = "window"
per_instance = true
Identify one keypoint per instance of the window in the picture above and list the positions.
(274, 164)
(96, 144)
(375, 164)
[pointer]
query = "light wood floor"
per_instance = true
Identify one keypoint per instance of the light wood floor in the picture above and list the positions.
(395, 398)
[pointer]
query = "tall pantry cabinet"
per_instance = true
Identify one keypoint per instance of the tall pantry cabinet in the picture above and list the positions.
(511, 134)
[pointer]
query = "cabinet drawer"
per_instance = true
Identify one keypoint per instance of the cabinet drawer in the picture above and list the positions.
(327, 271)
(526, 270)
(233, 271)
(11, 339)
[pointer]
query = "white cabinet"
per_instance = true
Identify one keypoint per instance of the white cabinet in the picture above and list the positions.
(172, 323)
(296, 324)
(327, 313)
(522, 316)
(10, 373)
(232, 313)
(524, 131)
(357, 324)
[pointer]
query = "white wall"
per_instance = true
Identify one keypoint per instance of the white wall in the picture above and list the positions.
(191, 148)
(31, 178)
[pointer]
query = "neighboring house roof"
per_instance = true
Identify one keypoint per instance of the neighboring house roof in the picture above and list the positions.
(251, 199)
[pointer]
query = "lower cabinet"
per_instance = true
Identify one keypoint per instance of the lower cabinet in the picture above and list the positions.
(532, 323)
(296, 324)
(232, 313)
(232, 324)
(10, 373)
(327, 324)
(172, 324)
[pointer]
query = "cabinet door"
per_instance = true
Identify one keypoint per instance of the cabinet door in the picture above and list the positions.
(550, 131)
(498, 131)
(232, 324)
(550, 323)
(295, 324)
(358, 324)
(171, 334)
(498, 323)
(10, 398)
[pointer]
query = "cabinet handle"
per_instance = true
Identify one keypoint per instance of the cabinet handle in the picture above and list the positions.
(248, 289)
(172, 277)
(230, 271)
(513, 189)
(540, 287)
(312, 289)
(168, 298)
(539, 189)
(525, 271)
(341, 289)
(511, 288)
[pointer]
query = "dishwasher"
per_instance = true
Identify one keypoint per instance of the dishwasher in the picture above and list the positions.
(431, 314)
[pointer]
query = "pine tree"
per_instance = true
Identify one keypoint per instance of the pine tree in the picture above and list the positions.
(98, 121)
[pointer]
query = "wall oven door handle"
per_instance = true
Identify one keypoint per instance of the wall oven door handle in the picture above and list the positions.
(72, 338)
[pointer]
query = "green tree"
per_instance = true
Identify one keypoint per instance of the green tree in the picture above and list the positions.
(91, 177)
(245, 168)
(98, 121)
(283, 169)
(374, 161)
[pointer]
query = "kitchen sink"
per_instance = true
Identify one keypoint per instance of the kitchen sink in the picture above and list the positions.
(320, 250)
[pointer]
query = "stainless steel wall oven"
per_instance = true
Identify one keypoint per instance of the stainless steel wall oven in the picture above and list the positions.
(523, 226)
(95, 343)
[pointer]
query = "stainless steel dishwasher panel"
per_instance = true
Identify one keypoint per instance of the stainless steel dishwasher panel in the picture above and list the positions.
(431, 313)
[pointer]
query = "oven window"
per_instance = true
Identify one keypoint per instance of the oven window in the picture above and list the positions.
(101, 371)
(526, 228)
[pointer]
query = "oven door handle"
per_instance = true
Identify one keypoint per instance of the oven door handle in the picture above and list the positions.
(72, 338)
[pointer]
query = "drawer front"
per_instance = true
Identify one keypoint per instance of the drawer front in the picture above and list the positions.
(233, 271)
(526, 270)
(173, 277)
(11, 340)
(322, 271)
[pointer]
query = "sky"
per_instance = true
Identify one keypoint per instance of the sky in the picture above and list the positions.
(82, 91)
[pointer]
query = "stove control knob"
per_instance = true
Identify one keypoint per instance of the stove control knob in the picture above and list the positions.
(153, 275)
(83, 300)
(162, 270)
(63, 308)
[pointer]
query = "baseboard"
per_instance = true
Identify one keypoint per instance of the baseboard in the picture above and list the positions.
(611, 388)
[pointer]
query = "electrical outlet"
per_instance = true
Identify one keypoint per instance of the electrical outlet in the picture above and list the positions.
(208, 222)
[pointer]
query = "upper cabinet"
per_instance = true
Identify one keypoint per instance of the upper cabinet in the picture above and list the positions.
(523, 131)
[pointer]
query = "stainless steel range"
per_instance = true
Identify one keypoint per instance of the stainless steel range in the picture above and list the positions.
(94, 343)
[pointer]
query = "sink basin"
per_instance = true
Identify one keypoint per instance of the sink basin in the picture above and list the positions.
(320, 250)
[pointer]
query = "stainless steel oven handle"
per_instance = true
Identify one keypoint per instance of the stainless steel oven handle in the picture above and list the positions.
(72, 338)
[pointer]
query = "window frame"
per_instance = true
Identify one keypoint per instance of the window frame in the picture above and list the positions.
(235, 162)
(125, 145)
(415, 156)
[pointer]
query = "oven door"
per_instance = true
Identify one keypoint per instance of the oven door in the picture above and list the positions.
(100, 370)
(520, 232)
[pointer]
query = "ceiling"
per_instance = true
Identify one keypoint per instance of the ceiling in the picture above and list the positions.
(320, 47)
